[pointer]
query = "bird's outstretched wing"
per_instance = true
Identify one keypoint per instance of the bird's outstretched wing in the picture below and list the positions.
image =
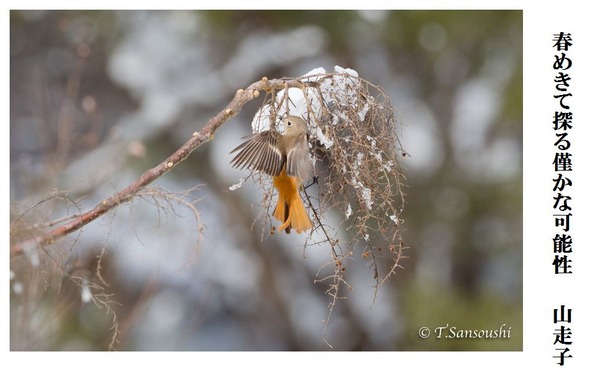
(260, 152)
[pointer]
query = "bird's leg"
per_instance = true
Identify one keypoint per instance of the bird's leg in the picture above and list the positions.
(315, 181)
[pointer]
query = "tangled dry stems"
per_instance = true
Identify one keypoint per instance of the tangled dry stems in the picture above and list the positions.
(55, 277)
(359, 176)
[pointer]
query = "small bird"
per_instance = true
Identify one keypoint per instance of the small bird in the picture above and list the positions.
(284, 156)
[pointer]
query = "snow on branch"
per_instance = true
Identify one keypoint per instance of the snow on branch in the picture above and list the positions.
(357, 153)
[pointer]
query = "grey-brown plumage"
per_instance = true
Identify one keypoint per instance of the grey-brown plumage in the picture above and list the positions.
(269, 151)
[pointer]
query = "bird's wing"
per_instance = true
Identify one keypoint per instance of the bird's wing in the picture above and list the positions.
(298, 160)
(260, 152)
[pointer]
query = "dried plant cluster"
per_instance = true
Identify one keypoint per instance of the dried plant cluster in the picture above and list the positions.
(57, 277)
(359, 178)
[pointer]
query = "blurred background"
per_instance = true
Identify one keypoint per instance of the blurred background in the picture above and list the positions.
(99, 97)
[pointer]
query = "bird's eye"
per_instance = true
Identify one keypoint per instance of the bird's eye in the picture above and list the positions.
(289, 123)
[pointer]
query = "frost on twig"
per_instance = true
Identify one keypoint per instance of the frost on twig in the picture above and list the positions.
(356, 152)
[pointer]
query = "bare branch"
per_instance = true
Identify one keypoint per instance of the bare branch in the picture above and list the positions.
(205, 134)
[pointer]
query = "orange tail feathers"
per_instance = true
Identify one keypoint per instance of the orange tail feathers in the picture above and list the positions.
(290, 209)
